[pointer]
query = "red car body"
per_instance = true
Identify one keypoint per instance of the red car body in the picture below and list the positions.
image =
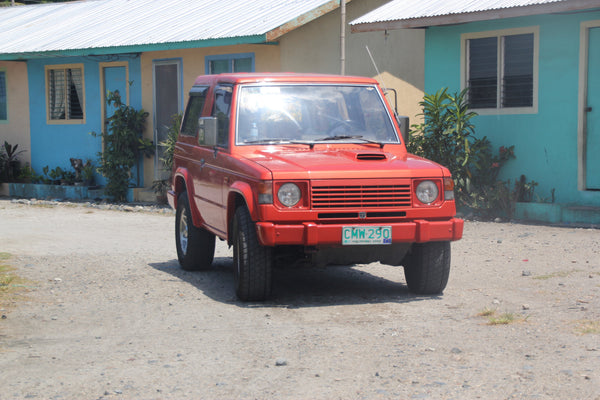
(339, 181)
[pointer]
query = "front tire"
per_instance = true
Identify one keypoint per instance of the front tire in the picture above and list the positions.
(252, 263)
(195, 246)
(427, 267)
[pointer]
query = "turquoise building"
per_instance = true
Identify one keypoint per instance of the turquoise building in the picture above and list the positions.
(533, 73)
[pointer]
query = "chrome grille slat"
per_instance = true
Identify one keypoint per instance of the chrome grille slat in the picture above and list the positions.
(352, 196)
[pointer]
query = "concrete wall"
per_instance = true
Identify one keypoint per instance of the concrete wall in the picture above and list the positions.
(546, 141)
(16, 129)
(399, 54)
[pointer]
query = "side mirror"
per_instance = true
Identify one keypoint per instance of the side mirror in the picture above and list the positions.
(404, 123)
(207, 131)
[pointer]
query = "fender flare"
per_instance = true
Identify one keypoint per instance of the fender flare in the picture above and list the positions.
(243, 190)
(182, 181)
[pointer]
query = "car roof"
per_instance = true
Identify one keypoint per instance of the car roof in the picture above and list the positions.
(281, 77)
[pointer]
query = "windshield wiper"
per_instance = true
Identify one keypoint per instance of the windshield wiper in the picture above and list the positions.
(266, 141)
(359, 137)
(279, 141)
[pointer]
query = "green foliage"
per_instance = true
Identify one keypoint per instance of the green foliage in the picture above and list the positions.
(447, 136)
(123, 146)
(168, 144)
(87, 173)
(9, 162)
(28, 175)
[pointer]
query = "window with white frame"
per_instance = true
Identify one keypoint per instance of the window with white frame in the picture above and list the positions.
(501, 70)
(65, 93)
(3, 97)
(243, 62)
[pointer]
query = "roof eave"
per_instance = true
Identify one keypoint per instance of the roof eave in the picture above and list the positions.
(303, 19)
(133, 49)
(453, 19)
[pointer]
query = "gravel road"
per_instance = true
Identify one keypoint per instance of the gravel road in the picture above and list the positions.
(110, 315)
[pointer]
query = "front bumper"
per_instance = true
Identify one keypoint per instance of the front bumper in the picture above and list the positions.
(313, 234)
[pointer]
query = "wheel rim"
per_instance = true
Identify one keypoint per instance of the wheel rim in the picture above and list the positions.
(183, 233)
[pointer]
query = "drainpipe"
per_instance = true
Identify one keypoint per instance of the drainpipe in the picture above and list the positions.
(343, 38)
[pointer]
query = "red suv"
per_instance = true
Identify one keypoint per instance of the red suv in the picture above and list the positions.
(294, 169)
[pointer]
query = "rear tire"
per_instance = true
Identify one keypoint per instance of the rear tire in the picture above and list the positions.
(427, 267)
(195, 246)
(252, 263)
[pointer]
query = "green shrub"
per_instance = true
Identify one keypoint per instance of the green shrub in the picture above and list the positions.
(124, 146)
(447, 136)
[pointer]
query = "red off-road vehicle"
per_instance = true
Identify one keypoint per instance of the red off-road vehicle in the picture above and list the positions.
(295, 169)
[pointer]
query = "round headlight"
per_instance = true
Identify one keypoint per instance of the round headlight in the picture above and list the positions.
(427, 192)
(289, 194)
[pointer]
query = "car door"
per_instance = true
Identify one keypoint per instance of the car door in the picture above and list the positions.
(212, 175)
(196, 155)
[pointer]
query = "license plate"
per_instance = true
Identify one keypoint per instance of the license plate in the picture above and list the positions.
(366, 235)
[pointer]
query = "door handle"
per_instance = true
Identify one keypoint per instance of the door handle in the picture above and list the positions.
(588, 109)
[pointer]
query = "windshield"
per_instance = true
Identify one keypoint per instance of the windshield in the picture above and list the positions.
(312, 113)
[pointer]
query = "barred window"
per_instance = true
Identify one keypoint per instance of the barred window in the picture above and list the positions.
(65, 94)
(500, 71)
(3, 100)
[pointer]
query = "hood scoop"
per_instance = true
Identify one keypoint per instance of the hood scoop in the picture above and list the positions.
(371, 157)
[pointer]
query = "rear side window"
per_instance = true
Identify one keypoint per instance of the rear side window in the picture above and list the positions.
(193, 111)
(222, 108)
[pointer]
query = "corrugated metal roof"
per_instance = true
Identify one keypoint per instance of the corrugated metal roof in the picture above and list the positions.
(94, 24)
(424, 9)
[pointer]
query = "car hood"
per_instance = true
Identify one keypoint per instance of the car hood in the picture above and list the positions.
(333, 163)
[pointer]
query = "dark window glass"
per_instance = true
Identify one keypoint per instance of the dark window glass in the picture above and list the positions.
(513, 64)
(232, 63)
(220, 66)
(517, 83)
(483, 72)
(221, 110)
(3, 102)
(193, 111)
(242, 65)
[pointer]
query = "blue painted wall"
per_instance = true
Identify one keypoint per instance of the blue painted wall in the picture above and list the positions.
(546, 142)
(54, 144)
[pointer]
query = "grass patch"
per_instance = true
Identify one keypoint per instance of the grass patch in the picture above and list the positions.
(559, 274)
(11, 285)
(495, 318)
(587, 327)
(43, 205)
(487, 312)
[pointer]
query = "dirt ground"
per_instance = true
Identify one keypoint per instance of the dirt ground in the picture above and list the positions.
(110, 315)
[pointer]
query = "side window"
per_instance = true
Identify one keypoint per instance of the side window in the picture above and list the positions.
(243, 62)
(193, 111)
(3, 100)
(65, 93)
(222, 107)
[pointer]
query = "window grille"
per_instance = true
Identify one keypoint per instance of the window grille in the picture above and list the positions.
(65, 94)
(500, 71)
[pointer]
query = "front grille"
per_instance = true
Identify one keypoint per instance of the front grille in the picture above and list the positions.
(360, 196)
